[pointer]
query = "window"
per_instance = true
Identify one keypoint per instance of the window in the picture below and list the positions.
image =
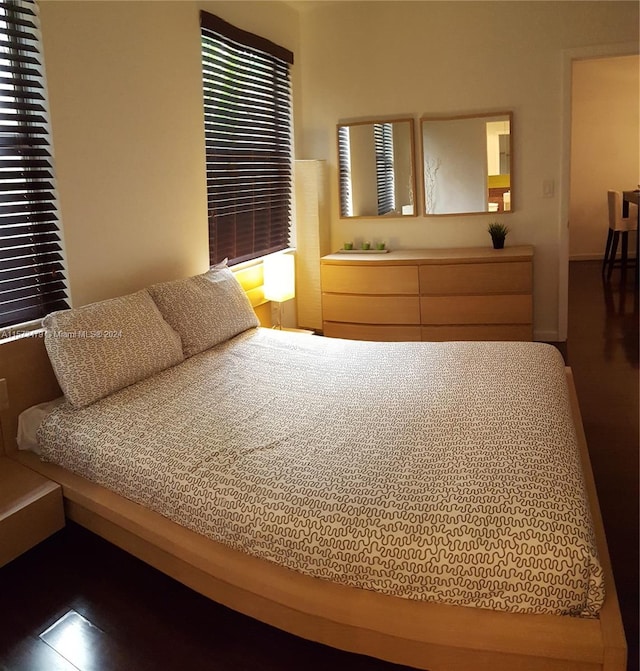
(247, 110)
(32, 279)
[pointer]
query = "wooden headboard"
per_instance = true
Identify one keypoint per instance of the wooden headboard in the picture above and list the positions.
(26, 376)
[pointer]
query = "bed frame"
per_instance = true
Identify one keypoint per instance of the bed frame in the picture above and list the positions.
(419, 634)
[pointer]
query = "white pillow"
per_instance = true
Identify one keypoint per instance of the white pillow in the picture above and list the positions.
(100, 348)
(206, 309)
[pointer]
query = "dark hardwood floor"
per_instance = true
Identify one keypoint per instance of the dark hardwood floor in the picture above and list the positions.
(602, 349)
(127, 616)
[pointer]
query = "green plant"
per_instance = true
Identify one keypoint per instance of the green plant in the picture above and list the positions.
(498, 233)
(498, 230)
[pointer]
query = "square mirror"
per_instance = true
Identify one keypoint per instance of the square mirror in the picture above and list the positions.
(467, 163)
(377, 169)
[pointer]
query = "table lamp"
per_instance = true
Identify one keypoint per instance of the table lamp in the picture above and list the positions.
(279, 281)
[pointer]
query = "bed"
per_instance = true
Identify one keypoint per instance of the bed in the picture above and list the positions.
(430, 504)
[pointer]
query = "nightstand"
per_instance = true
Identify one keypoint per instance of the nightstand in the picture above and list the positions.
(30, 509)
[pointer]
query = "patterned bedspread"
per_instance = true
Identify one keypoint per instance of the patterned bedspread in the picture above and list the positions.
(446, 472)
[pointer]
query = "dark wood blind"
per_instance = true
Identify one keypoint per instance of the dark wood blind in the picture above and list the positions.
(247, 112)
(383, 140)
(32, 279)
(344, 163)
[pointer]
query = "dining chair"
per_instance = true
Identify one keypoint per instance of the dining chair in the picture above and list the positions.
(618, 226)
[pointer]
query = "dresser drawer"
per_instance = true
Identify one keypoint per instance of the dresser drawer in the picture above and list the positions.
(381, 333)
(369, 279)
(371, 309)
(510, 332)
(476, 278)
(505, 309)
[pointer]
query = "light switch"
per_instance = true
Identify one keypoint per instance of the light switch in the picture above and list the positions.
(548, 187)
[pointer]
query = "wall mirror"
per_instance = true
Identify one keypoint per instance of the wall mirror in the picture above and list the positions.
(467, 164)
(377, 168)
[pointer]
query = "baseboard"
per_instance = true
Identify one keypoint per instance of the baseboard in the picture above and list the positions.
(597, 257)
(586, 257)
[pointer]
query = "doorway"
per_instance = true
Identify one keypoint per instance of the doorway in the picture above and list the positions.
(605, 139)
(570, 56)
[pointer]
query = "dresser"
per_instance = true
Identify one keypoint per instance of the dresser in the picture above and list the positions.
(473, 293)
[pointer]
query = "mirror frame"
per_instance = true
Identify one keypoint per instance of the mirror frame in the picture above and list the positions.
(412, 156)
(479, 115)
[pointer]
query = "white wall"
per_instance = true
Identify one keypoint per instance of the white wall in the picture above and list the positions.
(605, 146)
(125, 93)
(375, 59)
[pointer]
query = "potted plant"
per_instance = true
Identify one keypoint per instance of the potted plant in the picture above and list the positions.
(498, 233)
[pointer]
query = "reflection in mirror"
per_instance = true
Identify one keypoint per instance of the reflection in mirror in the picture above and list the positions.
(467, 164)
(377, 174)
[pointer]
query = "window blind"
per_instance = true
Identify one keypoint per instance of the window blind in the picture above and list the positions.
(344, 163)
(32, 275)
(247, 113)
(383, 140)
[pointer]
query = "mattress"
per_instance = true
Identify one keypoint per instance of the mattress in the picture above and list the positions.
(445, 472)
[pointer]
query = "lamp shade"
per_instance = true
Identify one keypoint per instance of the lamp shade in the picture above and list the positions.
(279, 277)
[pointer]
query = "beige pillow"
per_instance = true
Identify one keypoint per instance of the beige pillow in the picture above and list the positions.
(206, 309)
(100, 348)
